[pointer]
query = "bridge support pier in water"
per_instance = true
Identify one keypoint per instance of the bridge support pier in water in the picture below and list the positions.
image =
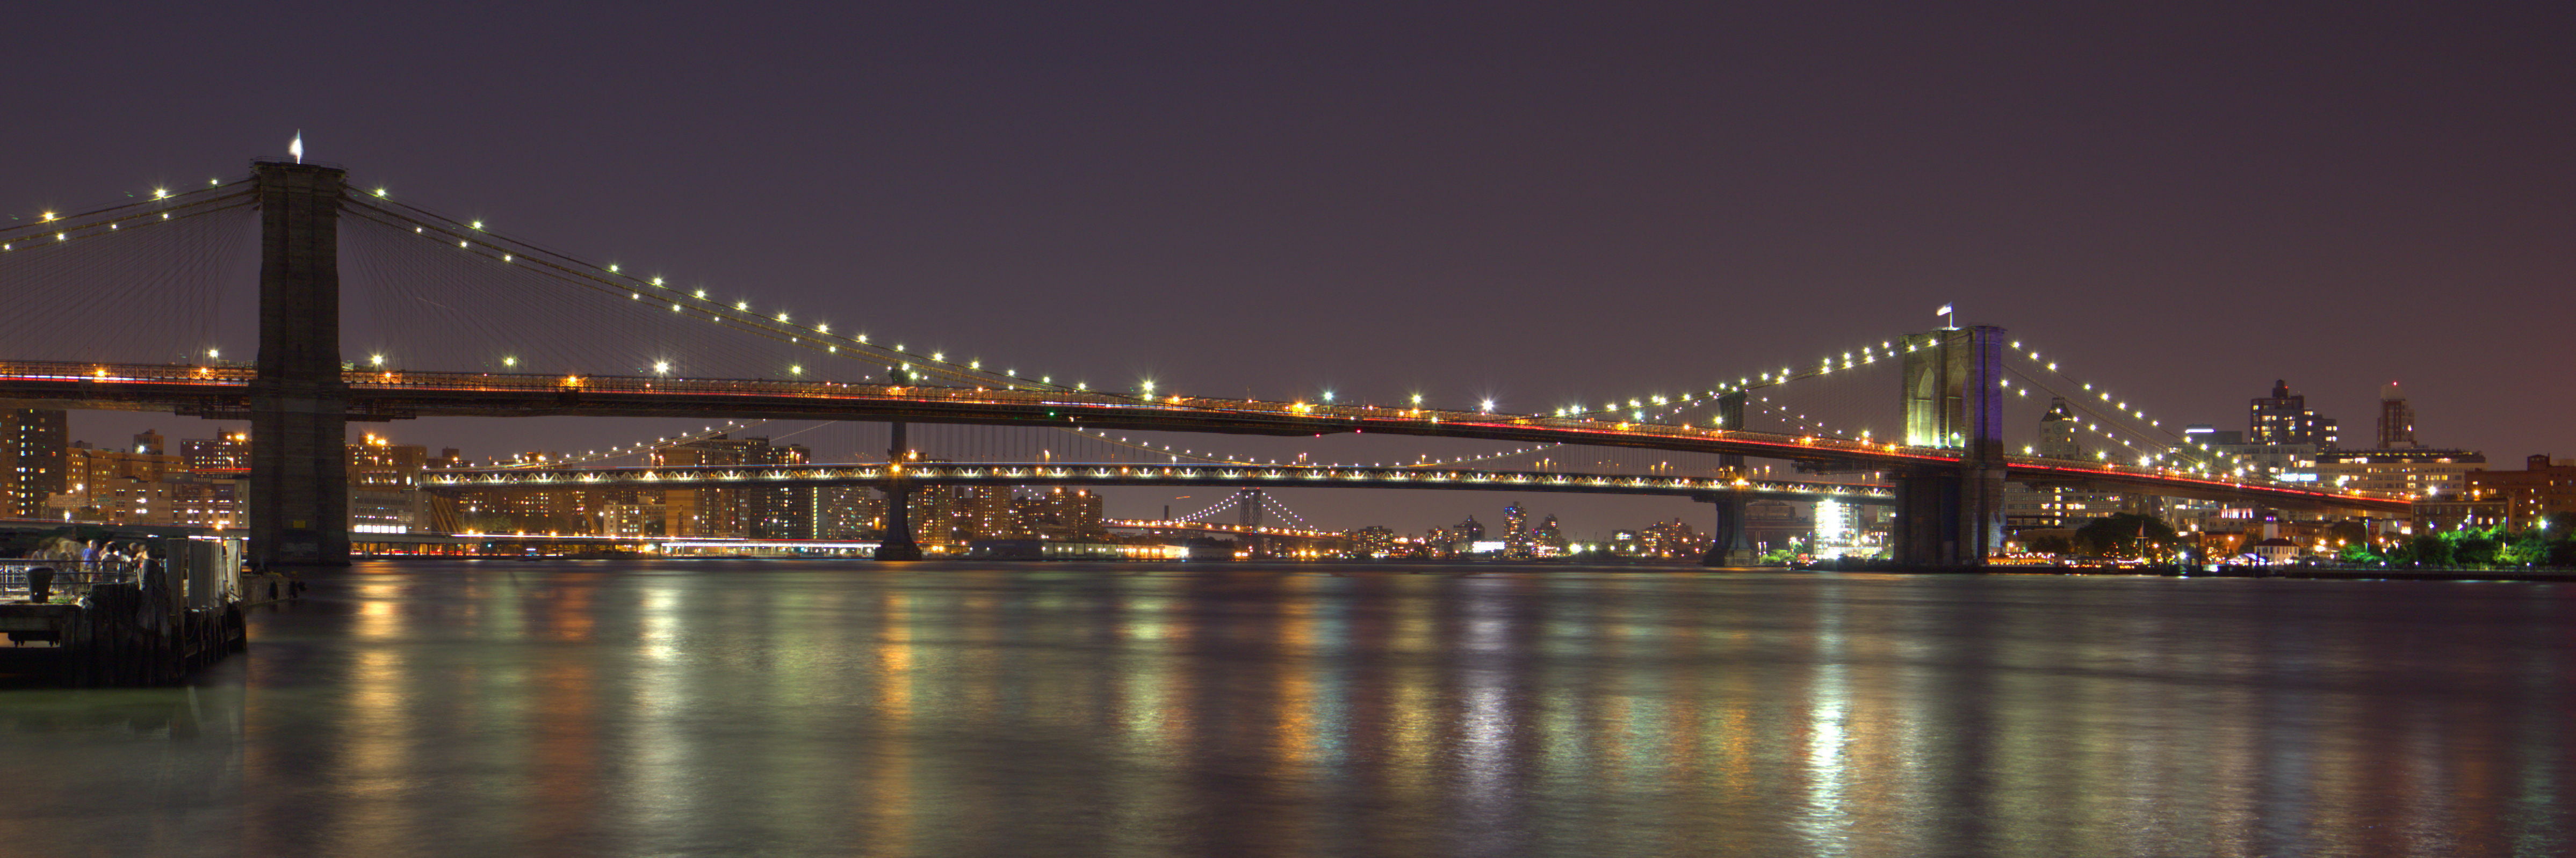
(1953, 515)
(1949, 519)
(897, 543)
(1727, 544)
(299, 488)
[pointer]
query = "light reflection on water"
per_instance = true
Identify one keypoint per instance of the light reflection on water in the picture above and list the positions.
(699, 708)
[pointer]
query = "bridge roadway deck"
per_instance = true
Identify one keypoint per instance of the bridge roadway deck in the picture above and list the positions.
(1114, 474)
(223, 392)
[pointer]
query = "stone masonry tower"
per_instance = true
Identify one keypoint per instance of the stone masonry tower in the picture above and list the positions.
(299, 493)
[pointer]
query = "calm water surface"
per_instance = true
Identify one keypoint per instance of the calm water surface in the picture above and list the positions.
(1025, 709)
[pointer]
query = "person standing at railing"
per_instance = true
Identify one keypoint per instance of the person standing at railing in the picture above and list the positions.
(124, 563)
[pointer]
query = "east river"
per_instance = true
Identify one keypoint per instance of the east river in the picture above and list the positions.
(786, 708)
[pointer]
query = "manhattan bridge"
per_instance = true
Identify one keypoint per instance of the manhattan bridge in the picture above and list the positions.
(476, 323)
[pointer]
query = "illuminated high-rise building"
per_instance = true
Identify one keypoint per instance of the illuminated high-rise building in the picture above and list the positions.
(759, 513)
(1065, 515)
(985, 512)
(1371, 541)
(1675, 538)
(2396, 419)
(2284, 418)
(2030, 506)
(376, 462)
(846, 512)
(225, 455)
(937, 514)
(32, 445)
(1549, 534)
(2057, 431)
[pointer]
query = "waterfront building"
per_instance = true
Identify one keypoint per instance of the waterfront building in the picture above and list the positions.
(1833, 526)
(1372, 541)
(699, 511)
(771, 512)
(84, 465)
(765, 512)
(115, 500)
(377, 463)
(197, 500)
(2524, 499)
(384, 487)
(385, 495)
(1516, 538)
(934, 511)
(551, 511)
(2455, 511)
(988, 512)
(225, 455)
(1074, 516)
(388, 510)
(1675, 538)
(115, 486)
(1548, 537)
(642, 517)
(846, 512)
(32, 442)
(2411, 472)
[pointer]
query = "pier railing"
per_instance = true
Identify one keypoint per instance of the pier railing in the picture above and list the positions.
(71, 579)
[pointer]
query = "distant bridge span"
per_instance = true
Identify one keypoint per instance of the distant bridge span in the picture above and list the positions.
(1107, 474)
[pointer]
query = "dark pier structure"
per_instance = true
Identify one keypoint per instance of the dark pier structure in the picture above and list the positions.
(115, 623)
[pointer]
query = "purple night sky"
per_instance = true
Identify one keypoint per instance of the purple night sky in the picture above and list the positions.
(1541, 203)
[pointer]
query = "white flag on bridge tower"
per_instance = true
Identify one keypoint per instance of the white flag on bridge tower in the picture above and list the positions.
(295, 147)
(1944, 311)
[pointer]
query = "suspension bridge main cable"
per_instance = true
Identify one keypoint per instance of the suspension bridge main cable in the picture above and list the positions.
(154, 299)
(612, 281)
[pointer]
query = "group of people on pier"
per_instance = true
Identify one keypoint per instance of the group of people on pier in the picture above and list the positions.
(63, 560)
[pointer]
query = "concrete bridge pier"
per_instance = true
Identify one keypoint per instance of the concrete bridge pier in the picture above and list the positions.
(1727, 544)
(299, 488)
(1946, 518)
(897, 543)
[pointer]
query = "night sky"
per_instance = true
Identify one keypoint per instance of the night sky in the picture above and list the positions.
(1537, 203)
